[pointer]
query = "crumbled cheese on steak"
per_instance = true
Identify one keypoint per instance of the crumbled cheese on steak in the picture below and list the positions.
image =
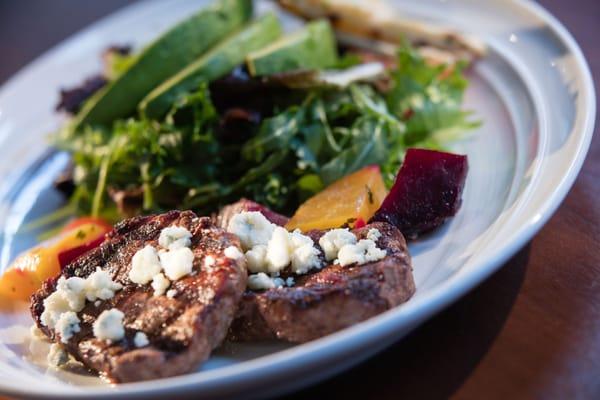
(332, 241)
(175, 237)
(145, 264)
(233, 252)
(360, 253)
(373, 234)
(261, 281)
(252, 228)
(100, 286)
(73, 291)
(177, 263)
(69, 298)
(175, 259)
(256, 259)
(271, 248)
(70, 292)
(54, 306)
(57, 356)
(160, 284)
(140, 340)
(67, 325)
(304, 255)
(291, 248)
(109, 325)
(278, 251)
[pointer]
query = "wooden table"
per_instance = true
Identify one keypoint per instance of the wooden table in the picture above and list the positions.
(530, 331)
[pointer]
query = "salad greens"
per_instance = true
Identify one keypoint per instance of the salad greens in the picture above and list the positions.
(181, 161)
(430, 98)
(218, 61)
(159, 60)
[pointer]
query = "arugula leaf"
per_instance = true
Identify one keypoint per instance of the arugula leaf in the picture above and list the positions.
(275, 133)
(370, 146)
(428, 98)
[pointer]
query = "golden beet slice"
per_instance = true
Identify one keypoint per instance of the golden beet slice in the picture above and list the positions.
(18, 284)
(352, 199)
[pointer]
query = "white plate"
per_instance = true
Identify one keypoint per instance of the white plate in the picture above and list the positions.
(534, 93)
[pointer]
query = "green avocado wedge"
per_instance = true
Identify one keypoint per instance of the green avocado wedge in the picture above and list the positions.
(219, 61)
(172, 51)
(312, 47)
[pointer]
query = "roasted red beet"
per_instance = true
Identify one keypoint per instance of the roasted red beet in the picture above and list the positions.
(67, 256)
(427, 190)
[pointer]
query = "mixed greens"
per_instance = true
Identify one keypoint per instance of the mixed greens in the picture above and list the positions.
(283, 151)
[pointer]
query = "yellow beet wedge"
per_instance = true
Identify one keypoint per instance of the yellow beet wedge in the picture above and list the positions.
(353, 198)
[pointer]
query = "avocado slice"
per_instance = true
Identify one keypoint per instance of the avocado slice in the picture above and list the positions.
(217, 62)
(161, 59)
(313, 47)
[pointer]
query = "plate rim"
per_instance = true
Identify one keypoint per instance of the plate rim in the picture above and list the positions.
(326, 348)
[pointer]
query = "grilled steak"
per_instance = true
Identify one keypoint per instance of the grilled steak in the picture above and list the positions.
(226, 213)
(330, 299)
(182, 328)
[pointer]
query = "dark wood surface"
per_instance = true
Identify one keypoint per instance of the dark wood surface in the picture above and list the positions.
(530, 331)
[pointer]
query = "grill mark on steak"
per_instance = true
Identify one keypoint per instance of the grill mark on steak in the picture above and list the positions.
(330, 299)
(182, 330)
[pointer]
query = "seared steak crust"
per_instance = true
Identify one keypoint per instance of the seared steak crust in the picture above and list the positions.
(182, 330)
(330, 299)
(226, 213)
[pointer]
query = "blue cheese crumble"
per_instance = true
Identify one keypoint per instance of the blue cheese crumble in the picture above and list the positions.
(177, 263)
(57, 356)
(269, 249)
(109, 325)
(175, 237)
(173, 261)
(160, 284)
(67, 326)
(140, 340)
(234, 253)
(262, 281)
(332, 241)
(252, 228)
(62, 306)
(145, 264)
(360, 253)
